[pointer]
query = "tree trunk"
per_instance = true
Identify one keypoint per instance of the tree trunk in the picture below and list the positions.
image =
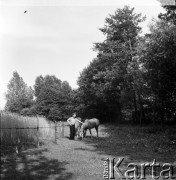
(141, 109)
(135, 107)
(118, 114)
(162, 111)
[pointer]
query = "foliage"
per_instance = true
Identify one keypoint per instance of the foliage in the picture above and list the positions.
(160, 61)
(106, 82)
(131, 73)
(19, 95)
(29, 111)
(170, 14)
(53, 98)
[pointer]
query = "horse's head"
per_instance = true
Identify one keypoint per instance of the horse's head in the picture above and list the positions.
(82, 131)
(78, 124)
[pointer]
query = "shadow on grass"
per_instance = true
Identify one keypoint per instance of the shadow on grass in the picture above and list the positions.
(33, 165)
(136, 144)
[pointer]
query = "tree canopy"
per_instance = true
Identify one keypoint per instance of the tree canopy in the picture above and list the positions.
(159, 59)
(105, 80)
(19, 95)
(53, 98)
(132, 73)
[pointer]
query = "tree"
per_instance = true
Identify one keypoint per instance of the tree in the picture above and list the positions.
(170, 15)
(47, 81)
(53, 98)
(19, 95)
(106, 78)
(160, 62)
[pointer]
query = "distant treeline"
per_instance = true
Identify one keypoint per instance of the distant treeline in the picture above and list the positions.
(133, 77)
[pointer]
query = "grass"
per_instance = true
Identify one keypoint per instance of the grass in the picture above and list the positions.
(137, 144)
(83, 159)
(12, 137)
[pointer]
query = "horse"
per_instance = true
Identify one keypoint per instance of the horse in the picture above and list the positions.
(89, 124)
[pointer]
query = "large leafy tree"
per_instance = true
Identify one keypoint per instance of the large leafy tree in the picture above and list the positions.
(106, 78)
(19, 95)
(53, 98)
(160, 61)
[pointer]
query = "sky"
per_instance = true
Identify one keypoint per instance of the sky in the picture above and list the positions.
(55, 37)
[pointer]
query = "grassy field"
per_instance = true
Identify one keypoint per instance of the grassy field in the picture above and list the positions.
(83, 159)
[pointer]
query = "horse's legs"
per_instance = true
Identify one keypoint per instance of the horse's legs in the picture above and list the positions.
(90, 132)
(84, 133)
(77, 132)
(96, 130)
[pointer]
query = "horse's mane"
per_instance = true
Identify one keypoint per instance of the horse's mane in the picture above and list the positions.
(81, 119)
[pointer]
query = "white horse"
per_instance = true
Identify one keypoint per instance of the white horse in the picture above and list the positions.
(89, 124)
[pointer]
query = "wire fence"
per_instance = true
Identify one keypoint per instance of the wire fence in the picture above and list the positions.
(15, 134)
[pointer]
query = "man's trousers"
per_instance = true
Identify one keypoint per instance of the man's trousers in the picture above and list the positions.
(72, 131)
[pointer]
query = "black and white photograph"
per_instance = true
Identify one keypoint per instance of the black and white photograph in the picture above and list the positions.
(87, 89)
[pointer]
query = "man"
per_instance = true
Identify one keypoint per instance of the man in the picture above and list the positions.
(71, 121)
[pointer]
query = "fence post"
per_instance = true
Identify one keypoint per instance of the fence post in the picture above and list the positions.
(62, 129)
(11, 136)
(56, 132)
(16, 148)
(37, 132)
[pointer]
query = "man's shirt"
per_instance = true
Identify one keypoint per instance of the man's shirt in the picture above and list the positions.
(71, 121)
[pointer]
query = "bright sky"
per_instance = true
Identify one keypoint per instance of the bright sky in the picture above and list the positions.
(55, 37)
